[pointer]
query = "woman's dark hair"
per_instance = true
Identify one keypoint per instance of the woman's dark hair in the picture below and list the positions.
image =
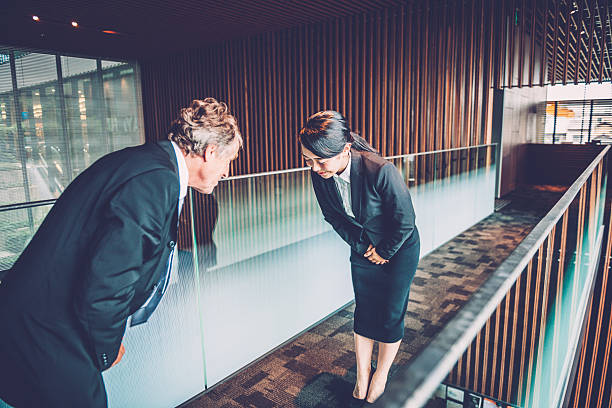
(326, 133)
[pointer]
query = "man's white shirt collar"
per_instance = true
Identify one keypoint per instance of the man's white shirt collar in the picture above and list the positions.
(182, 169)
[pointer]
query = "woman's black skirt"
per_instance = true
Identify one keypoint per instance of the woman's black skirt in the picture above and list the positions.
(381, 292)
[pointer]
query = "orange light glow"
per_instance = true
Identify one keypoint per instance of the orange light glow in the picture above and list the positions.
(35, 18)
(75, 24)
(561, 111)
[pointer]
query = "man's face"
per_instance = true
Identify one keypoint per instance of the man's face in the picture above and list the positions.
(213, 166)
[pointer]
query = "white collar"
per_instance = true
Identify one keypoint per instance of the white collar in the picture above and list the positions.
(182, 169)
(346, 174)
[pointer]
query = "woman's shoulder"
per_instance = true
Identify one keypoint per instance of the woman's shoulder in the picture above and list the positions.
(372, 163)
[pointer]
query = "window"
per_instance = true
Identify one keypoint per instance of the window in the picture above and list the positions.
(58, 114)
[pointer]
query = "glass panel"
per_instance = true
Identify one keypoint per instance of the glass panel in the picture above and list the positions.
(34, 69)
(111, 64)
(269, 263)
(163, 365)
(72, 66)
(40, 125)
(121, 106)
(50, 133)
(16, 230)
(11, 168)
(278, 269)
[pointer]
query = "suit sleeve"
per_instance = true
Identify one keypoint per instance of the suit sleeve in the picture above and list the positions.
(350, 233)
(397, 204)
(129, 234)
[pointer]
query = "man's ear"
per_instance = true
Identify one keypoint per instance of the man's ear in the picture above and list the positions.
(209, 152)
(347, 147)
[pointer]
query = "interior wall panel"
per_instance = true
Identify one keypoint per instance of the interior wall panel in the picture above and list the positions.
(409, 79)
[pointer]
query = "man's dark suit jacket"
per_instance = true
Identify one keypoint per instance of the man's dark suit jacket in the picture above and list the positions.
(384, 215)
(93, 262)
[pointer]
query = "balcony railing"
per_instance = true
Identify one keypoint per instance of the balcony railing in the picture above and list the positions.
(523, 326)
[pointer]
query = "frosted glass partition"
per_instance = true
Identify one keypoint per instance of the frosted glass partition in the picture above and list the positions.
(451, 191)
(258, 265)
(279, 268)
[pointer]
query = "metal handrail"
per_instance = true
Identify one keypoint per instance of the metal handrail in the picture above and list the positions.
(271, 173)
(26, 205)
(414, 385)
(32, 204)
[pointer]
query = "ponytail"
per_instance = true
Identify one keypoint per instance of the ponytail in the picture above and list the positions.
(359, 143)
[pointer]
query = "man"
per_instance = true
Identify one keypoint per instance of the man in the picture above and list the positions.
(101, 255)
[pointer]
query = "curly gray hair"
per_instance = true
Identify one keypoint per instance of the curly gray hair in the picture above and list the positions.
(205, 122)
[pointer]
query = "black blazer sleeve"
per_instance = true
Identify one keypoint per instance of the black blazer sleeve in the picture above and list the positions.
(350, 233)
(130, 234)
(398, 208)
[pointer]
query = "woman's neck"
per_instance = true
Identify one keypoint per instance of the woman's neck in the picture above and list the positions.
(345, 164)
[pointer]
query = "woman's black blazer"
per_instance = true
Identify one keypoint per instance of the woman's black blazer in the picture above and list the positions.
(381, 203)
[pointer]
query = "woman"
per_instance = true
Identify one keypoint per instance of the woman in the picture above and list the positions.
(366, 201)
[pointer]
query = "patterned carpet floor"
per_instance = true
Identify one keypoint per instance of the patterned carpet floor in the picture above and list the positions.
(317, 369)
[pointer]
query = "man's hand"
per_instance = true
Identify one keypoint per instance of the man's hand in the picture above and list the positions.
(120, 355)
(374, 257)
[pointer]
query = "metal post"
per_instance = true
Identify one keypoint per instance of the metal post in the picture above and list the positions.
(555, 122)
(98, 96)
(590, 122)
(64, 119)
(20, 137)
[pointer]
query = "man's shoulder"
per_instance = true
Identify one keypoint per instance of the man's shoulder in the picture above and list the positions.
(141, 158)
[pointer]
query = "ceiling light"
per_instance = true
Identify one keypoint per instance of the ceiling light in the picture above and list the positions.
(35, 18)
(75, 24)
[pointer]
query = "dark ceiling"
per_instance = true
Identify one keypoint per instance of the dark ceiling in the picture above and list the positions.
(151, 27)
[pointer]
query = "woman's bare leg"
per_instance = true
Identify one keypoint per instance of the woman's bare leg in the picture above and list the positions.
(386, 355)
(363, 351)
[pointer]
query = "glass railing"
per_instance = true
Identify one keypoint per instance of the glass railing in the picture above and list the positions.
(258, 266)
(526, 321)
(18, 223)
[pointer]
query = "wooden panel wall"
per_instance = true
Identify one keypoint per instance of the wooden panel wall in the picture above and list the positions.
(408, 79)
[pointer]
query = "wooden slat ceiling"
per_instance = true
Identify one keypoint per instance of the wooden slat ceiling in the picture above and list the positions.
(579, 37)
(159, 26)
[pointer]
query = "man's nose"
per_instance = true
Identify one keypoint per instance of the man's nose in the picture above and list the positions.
(315, 166)
(226, 172)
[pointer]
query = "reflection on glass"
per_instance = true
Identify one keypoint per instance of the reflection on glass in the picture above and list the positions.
(54, 126)
(16, 231)
(62, 125)
(257, 265)
(554, 299)
(279, 268)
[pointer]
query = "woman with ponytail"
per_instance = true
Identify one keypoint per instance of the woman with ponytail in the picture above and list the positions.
(366, 201)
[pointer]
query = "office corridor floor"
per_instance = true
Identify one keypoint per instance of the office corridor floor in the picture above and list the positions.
(317, 369)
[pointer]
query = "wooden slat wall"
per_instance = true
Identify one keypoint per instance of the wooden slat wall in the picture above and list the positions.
(576, 37)
(408, 79)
